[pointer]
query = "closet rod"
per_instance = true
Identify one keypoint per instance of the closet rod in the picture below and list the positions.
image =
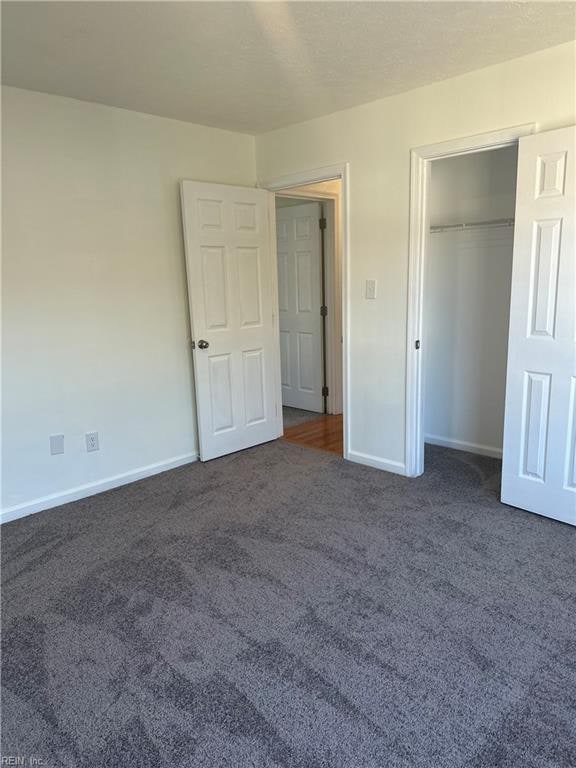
(472, 225)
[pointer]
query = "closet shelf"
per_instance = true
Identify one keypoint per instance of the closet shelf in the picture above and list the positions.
(491, 223)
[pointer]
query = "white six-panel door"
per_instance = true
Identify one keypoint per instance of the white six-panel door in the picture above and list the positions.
(539, 462)
(300, 301)
(231, 289)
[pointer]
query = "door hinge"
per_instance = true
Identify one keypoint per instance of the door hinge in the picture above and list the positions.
(324, 310)
(325, 392)
(322, 223)
(417, 344)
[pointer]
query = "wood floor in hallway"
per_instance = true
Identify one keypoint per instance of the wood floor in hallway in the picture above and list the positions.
(324, 433)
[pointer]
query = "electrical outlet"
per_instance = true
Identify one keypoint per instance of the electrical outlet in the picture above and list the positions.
(56, 444)
(92, 442)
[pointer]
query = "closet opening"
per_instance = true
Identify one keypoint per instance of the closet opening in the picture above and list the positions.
(466, 301)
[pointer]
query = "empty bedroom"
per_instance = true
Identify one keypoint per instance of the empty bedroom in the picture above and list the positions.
(288, 425)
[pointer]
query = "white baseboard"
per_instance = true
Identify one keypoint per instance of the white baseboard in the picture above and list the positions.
(398, 467)
(90, 489)
(460, 445)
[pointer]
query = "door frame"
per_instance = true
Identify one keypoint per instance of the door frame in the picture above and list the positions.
(313, 176)
(421, 159)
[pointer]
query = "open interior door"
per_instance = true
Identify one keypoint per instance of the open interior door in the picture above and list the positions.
(229, 235)
(300, 304)
(539, 462)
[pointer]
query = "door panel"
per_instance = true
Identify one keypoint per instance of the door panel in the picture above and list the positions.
(246, 217)
(300, 300)
(221, 392)
(254, 389)
(544, 276)
(305, 282)
(535, 423)
(285, 358)
(282, 281)
(249, 290)
(539, 432)
(215, 283)
(306, 361)
(231, 286)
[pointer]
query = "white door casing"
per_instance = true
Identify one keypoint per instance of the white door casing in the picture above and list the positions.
(299, 303)
(231, 271)
(421, 160)
(539, 462)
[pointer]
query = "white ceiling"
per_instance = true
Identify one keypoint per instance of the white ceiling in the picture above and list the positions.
(255, 66)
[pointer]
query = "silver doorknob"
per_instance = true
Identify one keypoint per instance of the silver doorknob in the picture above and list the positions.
(203, 344)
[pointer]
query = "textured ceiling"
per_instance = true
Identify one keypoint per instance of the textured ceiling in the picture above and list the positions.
(257, 66)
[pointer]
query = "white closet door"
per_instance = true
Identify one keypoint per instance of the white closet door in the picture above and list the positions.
(231, 288)
(300, 301)
(539, 464)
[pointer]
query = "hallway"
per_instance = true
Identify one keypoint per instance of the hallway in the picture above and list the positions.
(323, 432)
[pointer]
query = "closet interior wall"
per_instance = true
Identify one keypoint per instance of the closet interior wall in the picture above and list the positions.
(467, 299)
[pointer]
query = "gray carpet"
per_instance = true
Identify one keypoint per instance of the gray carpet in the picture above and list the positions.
(294, 416)
(281, 607)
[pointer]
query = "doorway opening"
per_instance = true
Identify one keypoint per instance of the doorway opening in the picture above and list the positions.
(461, 245)
(310, 317)
(467, 286)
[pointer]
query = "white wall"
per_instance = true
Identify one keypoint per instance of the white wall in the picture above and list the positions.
(96, 333)
(376, 140)
(467, 301)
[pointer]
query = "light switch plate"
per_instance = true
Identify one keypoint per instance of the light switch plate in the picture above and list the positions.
(370, 289)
